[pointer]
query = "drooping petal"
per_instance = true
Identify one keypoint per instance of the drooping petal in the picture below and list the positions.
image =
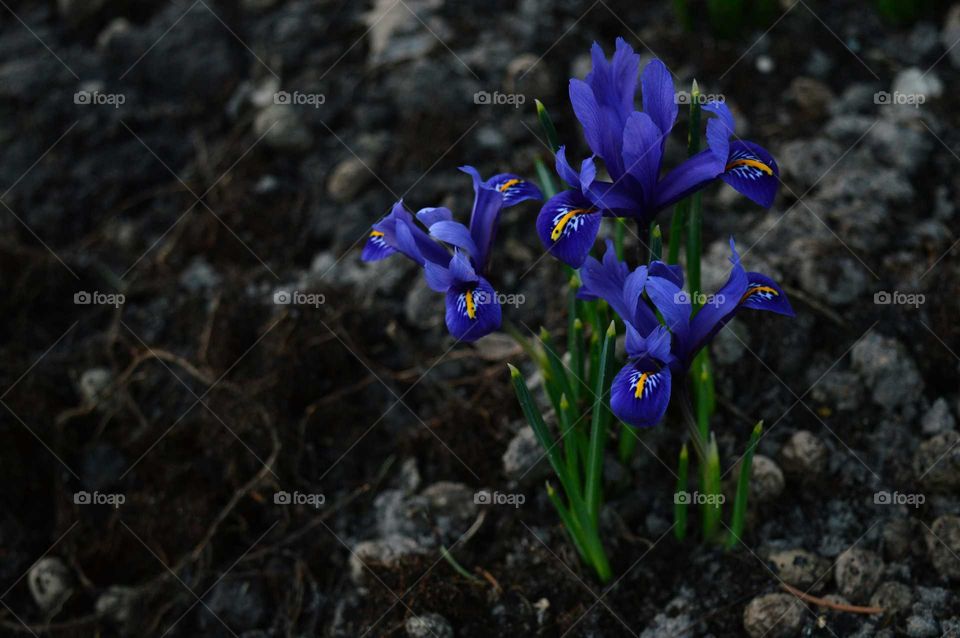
(473, 311)
(455, 234)
(568, 225)
(430, 216)
(642, 151)
(763, 293)
(752, 171)
(659, 96)
(690, 176)
(484, 218)
(514, 188)
(640, 393)
(720, 308)
(376, 248)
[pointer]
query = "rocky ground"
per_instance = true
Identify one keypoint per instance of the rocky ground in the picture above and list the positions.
(185, 454)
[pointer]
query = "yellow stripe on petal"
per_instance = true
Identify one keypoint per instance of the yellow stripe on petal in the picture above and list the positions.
(471, 304)
(376, 233)
(641, 382)
(563, 221)
(750, 162)
(507, 184)
(757, 289)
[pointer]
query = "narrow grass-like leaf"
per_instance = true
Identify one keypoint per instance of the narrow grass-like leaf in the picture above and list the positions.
(546, 123)
(598, 426)
(656, 242)
(547, 185)
(738, 520)
(711, 509)
(680, 507)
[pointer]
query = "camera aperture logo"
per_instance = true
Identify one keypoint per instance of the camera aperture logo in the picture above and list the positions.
(485, 497)
(702, 299)
(497, 98)
(316, 100)
(98, 98)
(299, 498)
(685, 97)
(299, 298)
(98, 498)
(481, 297)
(905, 99)
(884, 497)
(696, 498)
(97, 298)
(897, 298)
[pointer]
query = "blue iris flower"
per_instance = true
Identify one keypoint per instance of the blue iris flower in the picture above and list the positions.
(658, 351)
(455, 257)
(631, 143)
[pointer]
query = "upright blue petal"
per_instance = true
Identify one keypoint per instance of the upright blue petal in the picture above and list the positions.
(642, 152)
(514, 188)
(568, 225)
(604, 280)
(640, 393)
(752, 171)
(719, 129)
(484, 218)
(564, 170)
(659, 96)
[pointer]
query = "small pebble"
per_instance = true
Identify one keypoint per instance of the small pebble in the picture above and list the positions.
(936, 463)
(347, 179)
(857, 572)
(938, 418)
(50, 583)
(943, 546)
(801, 568)
(773, 616)
(428, 625)
(893, 597)
(766, 479)
(804, 456)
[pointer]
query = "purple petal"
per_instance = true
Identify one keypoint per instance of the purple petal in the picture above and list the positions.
(455, 234)
(752, 171)
(376, 248)
(588, 113)
(430, 216)
(640, 393)
(690, 176)
(642, 150)
(719, 129)
(659, 96)
(438, 277)
(564, 170)
(484, 218)
(472, 311)
(763, 293)
(514, 188)
(568, 225)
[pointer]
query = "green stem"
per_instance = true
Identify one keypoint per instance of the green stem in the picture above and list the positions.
(680, 508)
(598, 428)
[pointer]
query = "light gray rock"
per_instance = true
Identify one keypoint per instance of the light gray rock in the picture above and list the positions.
(922, 626)
(773, 616)
(348, 179)
(943, 546)
(893, 597)
(857, 573)
(950, 35)
(429, 625)
(888, 370)
(382, 552)
(804, 456)
(94, 384)
(938, 418)
(766, 479)
(50, 583)
(803, 162)
(525, 459)
(936, 463)
(801, 568)
(117, 604)
(282, 128)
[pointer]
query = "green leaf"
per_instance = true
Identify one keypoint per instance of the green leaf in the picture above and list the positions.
(738, 521)
(598, 427)
(680, 508)
(546, 123)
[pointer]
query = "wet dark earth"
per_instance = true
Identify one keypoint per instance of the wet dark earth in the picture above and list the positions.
(217, 421)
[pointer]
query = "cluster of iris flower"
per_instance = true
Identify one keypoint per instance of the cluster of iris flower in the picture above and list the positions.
(664, 330)
(455, 257)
